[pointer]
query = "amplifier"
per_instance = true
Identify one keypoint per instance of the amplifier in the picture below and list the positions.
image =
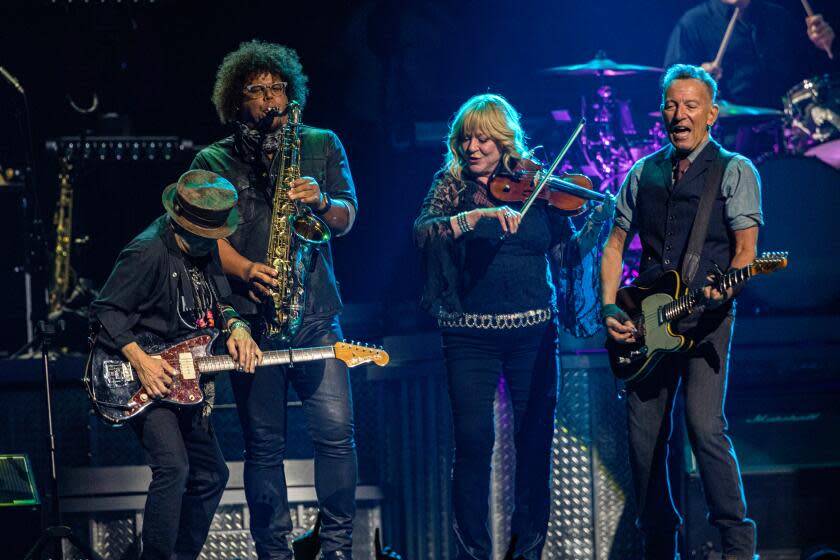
(790, 463)
(776, 432)
(20, 506)
(17, 485)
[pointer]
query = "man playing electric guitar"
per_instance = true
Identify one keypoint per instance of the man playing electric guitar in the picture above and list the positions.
(168, 282)
(660, 199)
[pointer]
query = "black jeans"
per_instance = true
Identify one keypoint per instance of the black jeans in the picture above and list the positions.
(189, 475)
(324, 390)
(703, 371)
(475, 358)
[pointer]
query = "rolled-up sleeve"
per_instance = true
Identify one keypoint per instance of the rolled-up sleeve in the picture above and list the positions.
(742, 191)
(339, 181)
(625, 204)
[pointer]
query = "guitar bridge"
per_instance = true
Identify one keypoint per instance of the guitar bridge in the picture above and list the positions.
(633, 355)
(117, 374)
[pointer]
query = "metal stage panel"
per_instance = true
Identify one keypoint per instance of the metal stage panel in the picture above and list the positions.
(106, 505)
(592, 512)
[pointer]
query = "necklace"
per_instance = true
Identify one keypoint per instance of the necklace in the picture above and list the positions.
(203, 297)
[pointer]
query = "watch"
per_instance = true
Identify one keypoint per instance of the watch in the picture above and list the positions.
(327, 205)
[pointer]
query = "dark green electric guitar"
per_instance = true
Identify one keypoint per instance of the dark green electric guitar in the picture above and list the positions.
(653, 309)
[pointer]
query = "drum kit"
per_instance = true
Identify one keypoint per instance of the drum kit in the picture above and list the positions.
(807, 125)
(796, 149)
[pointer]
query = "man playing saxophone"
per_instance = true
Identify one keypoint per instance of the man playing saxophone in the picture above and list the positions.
(254, 87)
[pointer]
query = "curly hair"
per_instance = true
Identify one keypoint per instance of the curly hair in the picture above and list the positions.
(249, 60)
(489, 114)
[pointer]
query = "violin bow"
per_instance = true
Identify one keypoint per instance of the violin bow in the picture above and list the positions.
(728, 35)
(810, 13)
(554, 165)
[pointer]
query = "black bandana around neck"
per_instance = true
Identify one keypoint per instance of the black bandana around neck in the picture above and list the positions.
(255, 143)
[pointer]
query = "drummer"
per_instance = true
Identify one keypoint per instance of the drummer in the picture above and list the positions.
(768, 52)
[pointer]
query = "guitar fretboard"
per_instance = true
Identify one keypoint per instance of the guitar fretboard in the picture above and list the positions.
(211, 364)
(682, 306)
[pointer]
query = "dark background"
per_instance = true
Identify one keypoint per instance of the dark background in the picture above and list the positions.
(386, 76)
(376, 70)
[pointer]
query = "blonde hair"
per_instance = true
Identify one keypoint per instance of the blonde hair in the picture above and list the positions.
(488, 114)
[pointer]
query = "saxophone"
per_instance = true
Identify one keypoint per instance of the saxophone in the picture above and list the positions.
(63, 221)
(294, 238)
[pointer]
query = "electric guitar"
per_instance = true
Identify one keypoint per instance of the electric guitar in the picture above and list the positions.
(117, 394)
(653, 309)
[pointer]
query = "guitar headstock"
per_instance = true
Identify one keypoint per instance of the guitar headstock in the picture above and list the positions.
(769, 261)
(356, 354)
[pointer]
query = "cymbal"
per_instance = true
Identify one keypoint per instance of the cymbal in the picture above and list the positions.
(730, 110)
(601, 66)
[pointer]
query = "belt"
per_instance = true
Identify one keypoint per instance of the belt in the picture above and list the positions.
(490, 321)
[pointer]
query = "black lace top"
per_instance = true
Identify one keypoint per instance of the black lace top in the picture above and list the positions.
(480, 273)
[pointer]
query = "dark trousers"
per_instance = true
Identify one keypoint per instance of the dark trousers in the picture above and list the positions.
(324, 389)
(475, 359)
(189, 475)
(703, 374)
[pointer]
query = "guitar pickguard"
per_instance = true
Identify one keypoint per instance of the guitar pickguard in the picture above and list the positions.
(116, 391)
(658, 336)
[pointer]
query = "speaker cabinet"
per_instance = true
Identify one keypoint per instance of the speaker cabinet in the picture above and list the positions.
(786, 444)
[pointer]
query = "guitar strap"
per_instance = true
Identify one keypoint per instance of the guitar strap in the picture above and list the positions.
(697, 237)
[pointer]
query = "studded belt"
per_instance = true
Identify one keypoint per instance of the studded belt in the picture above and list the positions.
(490, 321)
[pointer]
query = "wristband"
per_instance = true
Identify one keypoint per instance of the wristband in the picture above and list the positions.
(327, 205)
(612, 310)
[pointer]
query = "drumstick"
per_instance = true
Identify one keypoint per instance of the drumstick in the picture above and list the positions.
(726, 36)
(810, 13)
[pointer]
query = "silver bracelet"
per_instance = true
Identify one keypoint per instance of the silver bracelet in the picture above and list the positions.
(461, 218)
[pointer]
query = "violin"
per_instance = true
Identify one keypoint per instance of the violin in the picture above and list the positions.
(568, 192)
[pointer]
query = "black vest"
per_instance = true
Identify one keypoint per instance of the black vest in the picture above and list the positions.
(665, 214)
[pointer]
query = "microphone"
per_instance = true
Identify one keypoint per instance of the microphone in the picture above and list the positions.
(11, 79)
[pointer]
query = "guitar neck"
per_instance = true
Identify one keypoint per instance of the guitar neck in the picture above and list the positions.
(212, 364)
(684, 305)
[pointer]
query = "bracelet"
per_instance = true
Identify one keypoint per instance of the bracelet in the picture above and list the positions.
(239, 324)
(461, 218)
(327, 205)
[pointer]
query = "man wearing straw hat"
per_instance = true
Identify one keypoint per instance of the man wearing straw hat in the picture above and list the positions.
(168, 281)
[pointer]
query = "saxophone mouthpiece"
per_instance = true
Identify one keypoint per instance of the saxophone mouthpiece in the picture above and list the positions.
(264, 123)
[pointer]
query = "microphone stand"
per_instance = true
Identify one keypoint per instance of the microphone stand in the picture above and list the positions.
(56, 532)
(34, 241)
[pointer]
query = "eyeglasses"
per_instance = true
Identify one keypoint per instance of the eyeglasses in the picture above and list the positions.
(255, 91)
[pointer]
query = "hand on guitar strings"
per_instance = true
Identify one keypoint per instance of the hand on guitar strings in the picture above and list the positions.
(619, 326)
(155, 374)
(244, 350)
(712, 297)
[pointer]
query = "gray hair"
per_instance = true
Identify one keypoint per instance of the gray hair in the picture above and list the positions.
(688, 72)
